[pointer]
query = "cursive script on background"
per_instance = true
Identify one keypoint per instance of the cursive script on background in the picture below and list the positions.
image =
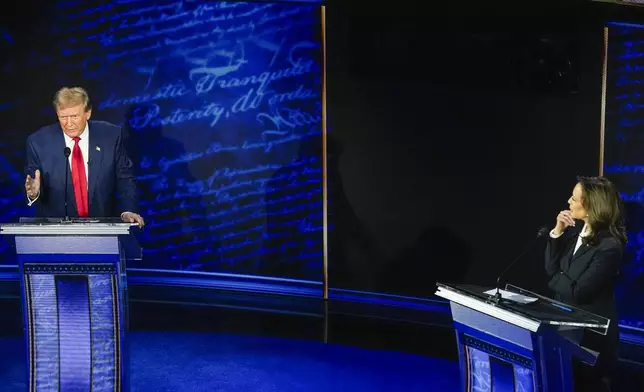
(220, 104)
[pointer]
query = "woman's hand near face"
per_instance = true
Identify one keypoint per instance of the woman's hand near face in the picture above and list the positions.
(564, 220)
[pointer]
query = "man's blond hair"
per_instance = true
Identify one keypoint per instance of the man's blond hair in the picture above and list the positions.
(71, 96)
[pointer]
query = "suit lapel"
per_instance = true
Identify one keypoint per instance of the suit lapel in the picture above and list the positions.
(570, 253)
(566, 260)
(95, 160)
(582, 249)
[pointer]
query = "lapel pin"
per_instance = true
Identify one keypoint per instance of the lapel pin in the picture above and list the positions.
(98, 148)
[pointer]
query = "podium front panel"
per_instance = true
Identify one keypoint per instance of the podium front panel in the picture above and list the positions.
(488, 373)
(97, 245)
(483, 323)
(74, 323)
(506, 346)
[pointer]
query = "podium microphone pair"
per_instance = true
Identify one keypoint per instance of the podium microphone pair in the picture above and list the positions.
(541, 233)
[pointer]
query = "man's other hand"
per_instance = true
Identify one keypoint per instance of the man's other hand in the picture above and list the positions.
(131, 217)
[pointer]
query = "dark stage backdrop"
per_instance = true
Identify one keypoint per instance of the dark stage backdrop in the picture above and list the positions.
(624, 153)
(463, 133)
(450, 140)
(221, 105)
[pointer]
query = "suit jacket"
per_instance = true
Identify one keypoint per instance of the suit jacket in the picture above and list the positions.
(110, 173)
(587, 280)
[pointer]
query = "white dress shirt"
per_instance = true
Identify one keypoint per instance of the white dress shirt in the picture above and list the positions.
(585, 232)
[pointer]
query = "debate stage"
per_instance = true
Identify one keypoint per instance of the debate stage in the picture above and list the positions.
(198, 339)
(186, 339)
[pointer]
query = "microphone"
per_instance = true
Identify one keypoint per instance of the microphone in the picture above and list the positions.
(542, 232)
(68, 152)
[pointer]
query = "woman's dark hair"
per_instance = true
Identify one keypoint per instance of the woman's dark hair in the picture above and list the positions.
(604, 205)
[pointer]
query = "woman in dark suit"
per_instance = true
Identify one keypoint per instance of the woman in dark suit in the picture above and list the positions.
(583, 258)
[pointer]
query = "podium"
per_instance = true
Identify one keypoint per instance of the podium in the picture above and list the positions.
(74, 297)
(505, 345)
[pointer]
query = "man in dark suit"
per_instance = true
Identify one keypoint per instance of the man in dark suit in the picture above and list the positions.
(88, 156)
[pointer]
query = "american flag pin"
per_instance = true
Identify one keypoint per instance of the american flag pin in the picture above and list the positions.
(98, 148)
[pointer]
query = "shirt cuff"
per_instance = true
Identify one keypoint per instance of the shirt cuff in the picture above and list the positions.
(553, 235)
(30, 202)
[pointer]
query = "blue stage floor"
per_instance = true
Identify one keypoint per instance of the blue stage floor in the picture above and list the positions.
(211, 340)
(168, 361)
(215, 340)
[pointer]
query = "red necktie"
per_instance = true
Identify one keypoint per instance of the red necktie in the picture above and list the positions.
(80, 180)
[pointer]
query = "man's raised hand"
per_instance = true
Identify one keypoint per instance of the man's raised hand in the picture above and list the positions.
(32, 185)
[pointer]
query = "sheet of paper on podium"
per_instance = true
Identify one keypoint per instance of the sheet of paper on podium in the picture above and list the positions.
(519, 298)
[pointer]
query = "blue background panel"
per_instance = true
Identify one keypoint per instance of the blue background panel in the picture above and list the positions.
(221, 107)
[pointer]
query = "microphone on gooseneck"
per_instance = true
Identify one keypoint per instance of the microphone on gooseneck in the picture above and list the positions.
(68, 152)
(542, 232)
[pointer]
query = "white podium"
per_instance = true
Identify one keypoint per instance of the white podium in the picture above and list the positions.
(74, 297)
(510, 346)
